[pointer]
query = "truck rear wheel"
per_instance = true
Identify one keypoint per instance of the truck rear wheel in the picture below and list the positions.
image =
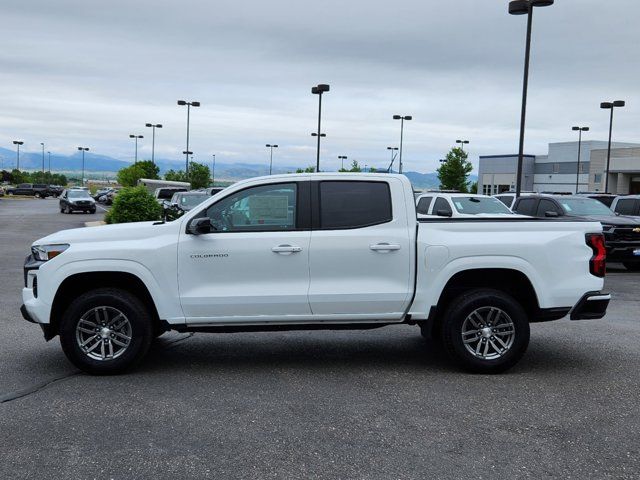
(485, 331)
(106, 331)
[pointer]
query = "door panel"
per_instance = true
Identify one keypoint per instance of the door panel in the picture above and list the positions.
(255, 265)
(363, 272)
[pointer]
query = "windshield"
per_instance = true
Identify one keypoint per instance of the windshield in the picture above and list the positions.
(78, 194)
(584, 206)
(190, 201)
(476, 205)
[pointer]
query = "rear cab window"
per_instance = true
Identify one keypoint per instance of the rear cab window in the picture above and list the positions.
(423, 205)
(626, 206)
(526, 206)
(354, 204)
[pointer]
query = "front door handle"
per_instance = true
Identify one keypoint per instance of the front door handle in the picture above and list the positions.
(286, 249)
(384, 247)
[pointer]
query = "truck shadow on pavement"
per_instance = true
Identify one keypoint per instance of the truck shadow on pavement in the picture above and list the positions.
(361, 350)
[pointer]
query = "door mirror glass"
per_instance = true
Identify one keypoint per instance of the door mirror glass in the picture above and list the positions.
(443, 213)
(198, 226)
(551, 214)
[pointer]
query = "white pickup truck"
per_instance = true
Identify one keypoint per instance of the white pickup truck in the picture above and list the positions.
(313, 251)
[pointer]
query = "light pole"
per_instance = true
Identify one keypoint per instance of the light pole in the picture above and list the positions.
(319, 90)
(49, 154)
(17, 143)
(42, 156)
(610, 106)
(83, 149)
(522, 7)
(579, 130)
(393, 157)
(213, 171)
(402, 119)
(136, 137)
(342, 158)
(271, 147)
(186, 151)
(462, 143)
(153, 139)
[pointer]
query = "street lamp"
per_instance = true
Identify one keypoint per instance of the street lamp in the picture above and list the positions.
(342, 158)
(271, 147)
(462, 143)
(189, 105)
(393, 157)
(136, 138)
(319, 90)
(402, 119)
(213, 171)
(42, 156)
(522, 7)
(579, 130)
(153, 139)
(83, 149)
(610, 106)
(17, 143)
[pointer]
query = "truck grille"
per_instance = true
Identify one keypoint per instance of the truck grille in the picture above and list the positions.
(625, 234)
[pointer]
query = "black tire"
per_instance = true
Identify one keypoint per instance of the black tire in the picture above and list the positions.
(483, 300)
(92, 211)
(136, 313)
(67, 210)
(632, 266)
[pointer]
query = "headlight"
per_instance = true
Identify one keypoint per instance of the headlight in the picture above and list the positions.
(47, 252)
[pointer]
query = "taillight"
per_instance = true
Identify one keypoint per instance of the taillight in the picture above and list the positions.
(597, 263)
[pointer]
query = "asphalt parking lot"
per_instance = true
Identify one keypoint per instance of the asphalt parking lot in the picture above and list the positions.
(371, 404)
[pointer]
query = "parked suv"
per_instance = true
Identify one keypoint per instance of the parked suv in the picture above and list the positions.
(31, 189)
(621, 233)
(627, 205)
(77, 200)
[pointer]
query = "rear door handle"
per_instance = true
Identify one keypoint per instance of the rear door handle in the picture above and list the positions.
(286, 249)
(384, 247)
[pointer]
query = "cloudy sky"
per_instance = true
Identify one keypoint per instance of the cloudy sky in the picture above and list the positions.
(90, 73)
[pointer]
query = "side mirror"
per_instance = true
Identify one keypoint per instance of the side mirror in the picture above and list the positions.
(443, 213)
(551, 213)
(199, 226)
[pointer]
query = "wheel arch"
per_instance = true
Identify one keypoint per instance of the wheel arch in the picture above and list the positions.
(79, 283)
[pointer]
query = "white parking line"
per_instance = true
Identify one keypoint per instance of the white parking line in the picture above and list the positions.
(102, 208)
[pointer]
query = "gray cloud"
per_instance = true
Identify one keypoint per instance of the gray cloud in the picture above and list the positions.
(91, 73)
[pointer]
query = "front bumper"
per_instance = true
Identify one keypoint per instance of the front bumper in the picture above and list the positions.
(591, 306)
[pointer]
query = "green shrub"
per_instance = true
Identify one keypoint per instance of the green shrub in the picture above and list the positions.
(134, 204)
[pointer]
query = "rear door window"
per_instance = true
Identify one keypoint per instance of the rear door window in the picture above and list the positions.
(526, 206)
(423, 205)
(626, 206)
(345, 204)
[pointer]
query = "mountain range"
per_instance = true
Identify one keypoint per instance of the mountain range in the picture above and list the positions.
(104, 166)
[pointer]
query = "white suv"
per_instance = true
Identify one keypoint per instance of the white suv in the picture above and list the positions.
(460, 205)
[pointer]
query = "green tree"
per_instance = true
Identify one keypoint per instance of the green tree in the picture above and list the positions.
(134, 204)
(19, 177)
(354, 167)
(306, 170)
(199, 175)
(455, 170)
(129, 176)
(474, 188)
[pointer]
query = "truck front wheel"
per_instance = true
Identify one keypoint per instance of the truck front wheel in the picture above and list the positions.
(106, 331)
(485, 331)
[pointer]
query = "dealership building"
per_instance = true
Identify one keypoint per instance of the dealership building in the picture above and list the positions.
(559, 170)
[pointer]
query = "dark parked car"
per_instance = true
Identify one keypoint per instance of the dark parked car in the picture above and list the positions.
(606, 198)
(211, 190)
(55, 190)
(621, 233)
(73, 200)
(30, 189)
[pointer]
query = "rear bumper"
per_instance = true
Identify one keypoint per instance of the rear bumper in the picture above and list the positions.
(591, 306)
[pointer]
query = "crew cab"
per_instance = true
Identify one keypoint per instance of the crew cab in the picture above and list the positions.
(313, 251)
(621, 233)
(30, 189)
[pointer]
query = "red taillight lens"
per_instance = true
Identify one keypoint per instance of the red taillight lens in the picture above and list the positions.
(598, 263)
